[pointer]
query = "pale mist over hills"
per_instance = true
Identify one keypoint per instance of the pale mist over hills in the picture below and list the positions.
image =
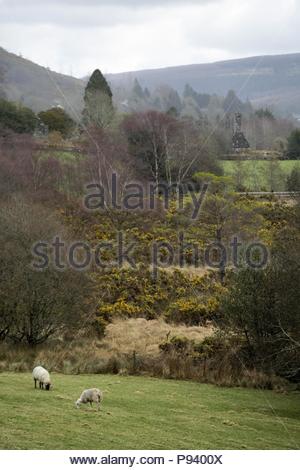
(268, 81)
(264, 80)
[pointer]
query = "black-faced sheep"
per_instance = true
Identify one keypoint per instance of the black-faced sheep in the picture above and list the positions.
(42, 376)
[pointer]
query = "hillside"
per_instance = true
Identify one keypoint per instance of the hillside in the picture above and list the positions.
(36, 86)
(266, 81)
(144, 413)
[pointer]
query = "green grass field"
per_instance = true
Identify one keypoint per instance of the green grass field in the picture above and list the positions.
(256, 173)
(144, 413)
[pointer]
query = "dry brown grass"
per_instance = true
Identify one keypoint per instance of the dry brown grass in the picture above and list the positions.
(132, 347)
(144, 336)
(92, 355)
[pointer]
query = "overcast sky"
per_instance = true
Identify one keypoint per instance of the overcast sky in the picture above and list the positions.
(77, 36)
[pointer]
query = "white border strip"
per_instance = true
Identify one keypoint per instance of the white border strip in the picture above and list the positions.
(228, 459)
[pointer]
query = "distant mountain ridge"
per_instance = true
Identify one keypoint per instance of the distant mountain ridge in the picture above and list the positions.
(264, 80)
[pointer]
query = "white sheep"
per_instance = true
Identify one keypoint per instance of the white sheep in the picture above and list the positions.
(42, 376)
(89, 396)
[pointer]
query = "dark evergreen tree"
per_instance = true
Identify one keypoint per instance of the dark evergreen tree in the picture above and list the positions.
(97, 82)
(265, 113)
(232, 104)
(168, 98)
(189, 91)
(137, 89)
(202, 99)
(147, 93)
(293, 180)
(98, 105)
(294, 145)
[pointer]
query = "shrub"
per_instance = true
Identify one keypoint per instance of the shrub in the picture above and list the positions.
(17, 118)
(191, 311)
(293, 150)
(56, 119)
(177, 296)
(262, 306)
(293, 180)
(176, 343)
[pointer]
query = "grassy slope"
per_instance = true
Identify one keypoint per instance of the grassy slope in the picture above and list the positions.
(256, 178)
(145, 413)
(38, 87)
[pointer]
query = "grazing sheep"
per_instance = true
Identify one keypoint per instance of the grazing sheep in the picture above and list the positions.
(42, 376)
(89, 396)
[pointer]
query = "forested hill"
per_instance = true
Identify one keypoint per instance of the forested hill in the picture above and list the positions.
(266, 81)
(37, 87)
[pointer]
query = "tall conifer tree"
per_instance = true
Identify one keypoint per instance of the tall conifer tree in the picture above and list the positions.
(98, 105)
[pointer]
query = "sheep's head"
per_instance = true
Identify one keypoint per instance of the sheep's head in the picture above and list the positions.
(47, 386)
